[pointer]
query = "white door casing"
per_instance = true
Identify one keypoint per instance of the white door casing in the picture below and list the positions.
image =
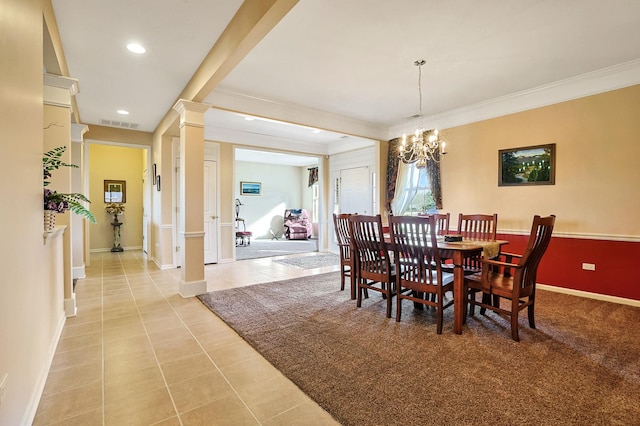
(210, 213)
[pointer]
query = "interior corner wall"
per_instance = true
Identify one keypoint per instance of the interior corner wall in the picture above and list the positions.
(596, 184)
(226, 206)
(110, 162)
(595, 196)
(281, 190)
(29, 330)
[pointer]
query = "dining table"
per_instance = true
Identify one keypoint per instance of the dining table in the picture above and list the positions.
(457, 251)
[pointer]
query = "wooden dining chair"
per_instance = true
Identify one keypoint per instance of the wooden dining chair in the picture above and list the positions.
(373, 269)
(341, 225)
(478, 226)
(419, 274)
(512, 277)
(442, 223)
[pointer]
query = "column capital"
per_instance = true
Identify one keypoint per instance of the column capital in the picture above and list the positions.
(78, 131)
(59, 90)
(191, 113)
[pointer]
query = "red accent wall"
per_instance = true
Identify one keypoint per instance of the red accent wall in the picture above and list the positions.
(561, 265)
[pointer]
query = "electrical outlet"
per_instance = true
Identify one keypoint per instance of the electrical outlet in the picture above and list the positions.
(589, 266)
(3, 386)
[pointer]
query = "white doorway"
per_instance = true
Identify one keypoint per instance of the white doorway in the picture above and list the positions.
(355, 191)
(210, 212)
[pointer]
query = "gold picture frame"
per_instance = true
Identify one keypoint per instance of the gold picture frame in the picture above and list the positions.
(115, 191)
(529, 165)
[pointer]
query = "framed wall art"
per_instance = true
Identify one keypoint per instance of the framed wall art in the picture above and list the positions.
(530, 165)
(250, 188)
(115, 191)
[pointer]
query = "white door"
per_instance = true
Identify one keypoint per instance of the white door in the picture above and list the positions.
(355, 191)
(210, 213)
(145, 213)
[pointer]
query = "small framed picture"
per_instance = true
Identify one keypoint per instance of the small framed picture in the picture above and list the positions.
(155, 172)
(250, 188)
(530, 165)
(115, 191)
(158, 183)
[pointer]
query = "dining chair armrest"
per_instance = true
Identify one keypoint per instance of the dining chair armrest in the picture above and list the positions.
(491, 265)
(508, 255)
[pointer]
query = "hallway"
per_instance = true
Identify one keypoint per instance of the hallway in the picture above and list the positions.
(138, 353)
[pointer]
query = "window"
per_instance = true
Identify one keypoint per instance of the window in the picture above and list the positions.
(413, 191)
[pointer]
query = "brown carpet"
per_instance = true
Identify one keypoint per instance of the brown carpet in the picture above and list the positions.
(581, 366)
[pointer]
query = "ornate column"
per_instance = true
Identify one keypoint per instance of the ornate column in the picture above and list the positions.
(78, 224)
(57, 132)
(191, 203)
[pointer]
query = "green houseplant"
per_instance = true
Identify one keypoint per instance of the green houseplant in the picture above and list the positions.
(59, 202)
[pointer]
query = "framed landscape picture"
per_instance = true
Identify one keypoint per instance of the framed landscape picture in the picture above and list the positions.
(530, 165)
(250, 188)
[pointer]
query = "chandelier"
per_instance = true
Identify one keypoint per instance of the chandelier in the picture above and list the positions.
(424, 145)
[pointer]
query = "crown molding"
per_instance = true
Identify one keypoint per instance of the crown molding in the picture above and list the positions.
(588, 84)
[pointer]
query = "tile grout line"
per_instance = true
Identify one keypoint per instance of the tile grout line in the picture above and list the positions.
(207, 355)
(104, 411)
(146, 332)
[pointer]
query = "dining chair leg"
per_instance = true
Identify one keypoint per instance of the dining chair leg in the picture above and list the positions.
(389, 302)
(398, 307)
(439, 320)
(514, 319)
(530, 310)
(486, 299)
(496, 301)
(470, 300)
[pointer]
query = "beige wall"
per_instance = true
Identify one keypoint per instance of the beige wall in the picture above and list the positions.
(112, 134)
(116, 163)
(597, 173)
(28, 329)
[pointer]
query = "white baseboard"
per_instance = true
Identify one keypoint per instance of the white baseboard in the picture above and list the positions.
(79, 272)
(589, 295)
(163, 267)
(32, 408)
(103, 250)
(192, 288)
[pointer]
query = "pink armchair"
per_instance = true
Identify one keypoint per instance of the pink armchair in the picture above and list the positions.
(296, 224)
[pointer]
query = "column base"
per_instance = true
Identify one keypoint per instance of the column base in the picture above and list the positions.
(192, 288)
(70, 307)
(79, 272)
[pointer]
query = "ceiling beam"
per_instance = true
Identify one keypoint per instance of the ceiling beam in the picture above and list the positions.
(253, 20)
(53, 58)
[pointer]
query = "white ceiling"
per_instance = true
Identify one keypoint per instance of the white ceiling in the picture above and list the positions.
(345, 67)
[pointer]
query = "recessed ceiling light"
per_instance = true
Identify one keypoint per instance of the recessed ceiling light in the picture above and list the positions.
(316, 131)
(249, 118)
(123, 112)
(136, 48)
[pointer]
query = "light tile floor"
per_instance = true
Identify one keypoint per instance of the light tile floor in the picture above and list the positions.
(137, 353)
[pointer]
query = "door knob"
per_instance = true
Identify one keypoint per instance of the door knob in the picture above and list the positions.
(214, 217)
